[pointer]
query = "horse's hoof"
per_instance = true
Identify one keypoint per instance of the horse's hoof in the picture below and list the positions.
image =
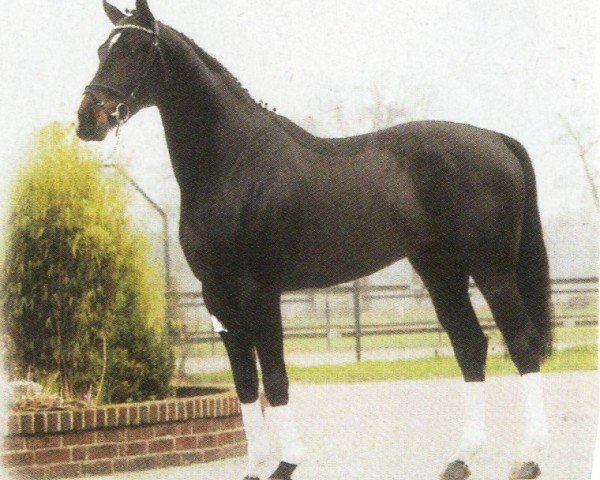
(525, 470)
(457, 470)
(284, 471)
(247, 477)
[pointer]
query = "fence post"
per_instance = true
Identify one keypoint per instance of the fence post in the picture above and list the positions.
(357, 331)
(328, 321)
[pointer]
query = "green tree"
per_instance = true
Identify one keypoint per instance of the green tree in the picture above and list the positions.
(76, 275)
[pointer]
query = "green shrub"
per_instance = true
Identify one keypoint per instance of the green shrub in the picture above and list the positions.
(80, 295)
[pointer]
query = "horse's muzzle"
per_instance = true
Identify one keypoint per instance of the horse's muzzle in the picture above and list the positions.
(94, 121)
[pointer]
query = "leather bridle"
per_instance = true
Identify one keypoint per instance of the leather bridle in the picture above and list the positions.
(122, 111)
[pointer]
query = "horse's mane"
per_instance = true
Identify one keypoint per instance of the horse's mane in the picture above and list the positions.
(324, 145)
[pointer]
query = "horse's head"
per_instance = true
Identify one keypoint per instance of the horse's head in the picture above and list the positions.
(125, 80)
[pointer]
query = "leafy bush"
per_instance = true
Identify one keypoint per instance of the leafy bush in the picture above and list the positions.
(81, 298)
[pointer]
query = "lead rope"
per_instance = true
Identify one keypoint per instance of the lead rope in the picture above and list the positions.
(110, 159)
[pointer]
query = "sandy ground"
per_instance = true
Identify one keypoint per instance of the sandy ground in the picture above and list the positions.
(408, 430)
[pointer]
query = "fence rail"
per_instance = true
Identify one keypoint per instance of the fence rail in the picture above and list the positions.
(363, 293)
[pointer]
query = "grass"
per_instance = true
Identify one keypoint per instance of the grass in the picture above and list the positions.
(319, 345)
(572, 359)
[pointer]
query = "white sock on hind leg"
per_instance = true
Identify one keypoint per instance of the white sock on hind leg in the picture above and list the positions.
(292, 448)
(473, 437)
(256, 435)
(536, 427)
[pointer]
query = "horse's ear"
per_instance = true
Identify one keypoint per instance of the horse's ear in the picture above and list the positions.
(113, 13)
(142, 8)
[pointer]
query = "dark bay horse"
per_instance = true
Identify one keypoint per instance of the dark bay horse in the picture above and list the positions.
(266, 208)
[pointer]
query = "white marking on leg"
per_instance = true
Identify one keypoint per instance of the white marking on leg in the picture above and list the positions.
(217, 327)
(256, 436)
(473, 438)
(292, 448)
(536, 428)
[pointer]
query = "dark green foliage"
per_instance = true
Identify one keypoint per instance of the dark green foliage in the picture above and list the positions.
(75, 273)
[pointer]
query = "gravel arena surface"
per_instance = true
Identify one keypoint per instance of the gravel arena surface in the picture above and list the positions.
(409, 429)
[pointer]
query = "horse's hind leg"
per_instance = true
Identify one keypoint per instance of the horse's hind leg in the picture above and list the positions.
(447, 281)
(500, 289)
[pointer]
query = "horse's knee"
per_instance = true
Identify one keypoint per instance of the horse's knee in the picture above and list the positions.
(276, 388)
(471, 355)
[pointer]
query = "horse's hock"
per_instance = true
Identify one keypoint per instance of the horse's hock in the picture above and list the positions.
(120, 438)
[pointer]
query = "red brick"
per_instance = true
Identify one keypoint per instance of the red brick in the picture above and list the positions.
(212, 454)
(185, 443)
(197, 408)
(39, 422)
(231, 423)
(189, 406)
(56, 455)
(97, 468)
(11, 444)
(52, 422)
(17, 459)
(78, 420)
(66, 421)
(185, 428)
(132, 449)
(144, 418)
(206, 441)
(110, 436)
(140, 433)
(166, 430)
(163, 412)
(102, 451)
(43, 441)
(181, 413)
(133, 415)
(79, 438)
(14, 424)
(27, 473)
(121, 465)
(162, 445)
(168, 460)
(111, 417)
(205, 409)
(89, 418)
(78, 453)
(224, 438)
(203, 425)
(192, 457)
(142, 463)
(123, 416)
(153, 412)
(101, 418)
(239, 436)
(171, 411)
(69, 470)
(26, 423)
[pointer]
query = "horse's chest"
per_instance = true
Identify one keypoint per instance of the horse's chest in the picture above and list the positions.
(208, 241)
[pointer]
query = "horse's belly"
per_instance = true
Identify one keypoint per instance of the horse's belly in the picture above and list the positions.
(344, 252)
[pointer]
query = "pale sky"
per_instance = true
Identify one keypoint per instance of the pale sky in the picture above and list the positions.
(512, 66)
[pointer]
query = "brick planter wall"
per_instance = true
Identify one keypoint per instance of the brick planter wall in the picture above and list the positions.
(123, 437)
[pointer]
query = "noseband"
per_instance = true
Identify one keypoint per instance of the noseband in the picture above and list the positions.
(122, 112)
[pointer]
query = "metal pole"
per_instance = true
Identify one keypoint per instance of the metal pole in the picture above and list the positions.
(357, 331)
(166, 249)
(328, 321)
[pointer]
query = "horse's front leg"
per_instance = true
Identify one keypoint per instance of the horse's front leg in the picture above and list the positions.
(268, 339)
(240, 350)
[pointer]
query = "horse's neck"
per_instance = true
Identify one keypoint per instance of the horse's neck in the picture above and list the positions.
(206, 124)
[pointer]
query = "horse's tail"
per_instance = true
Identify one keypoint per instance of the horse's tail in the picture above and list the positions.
(533, 275)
